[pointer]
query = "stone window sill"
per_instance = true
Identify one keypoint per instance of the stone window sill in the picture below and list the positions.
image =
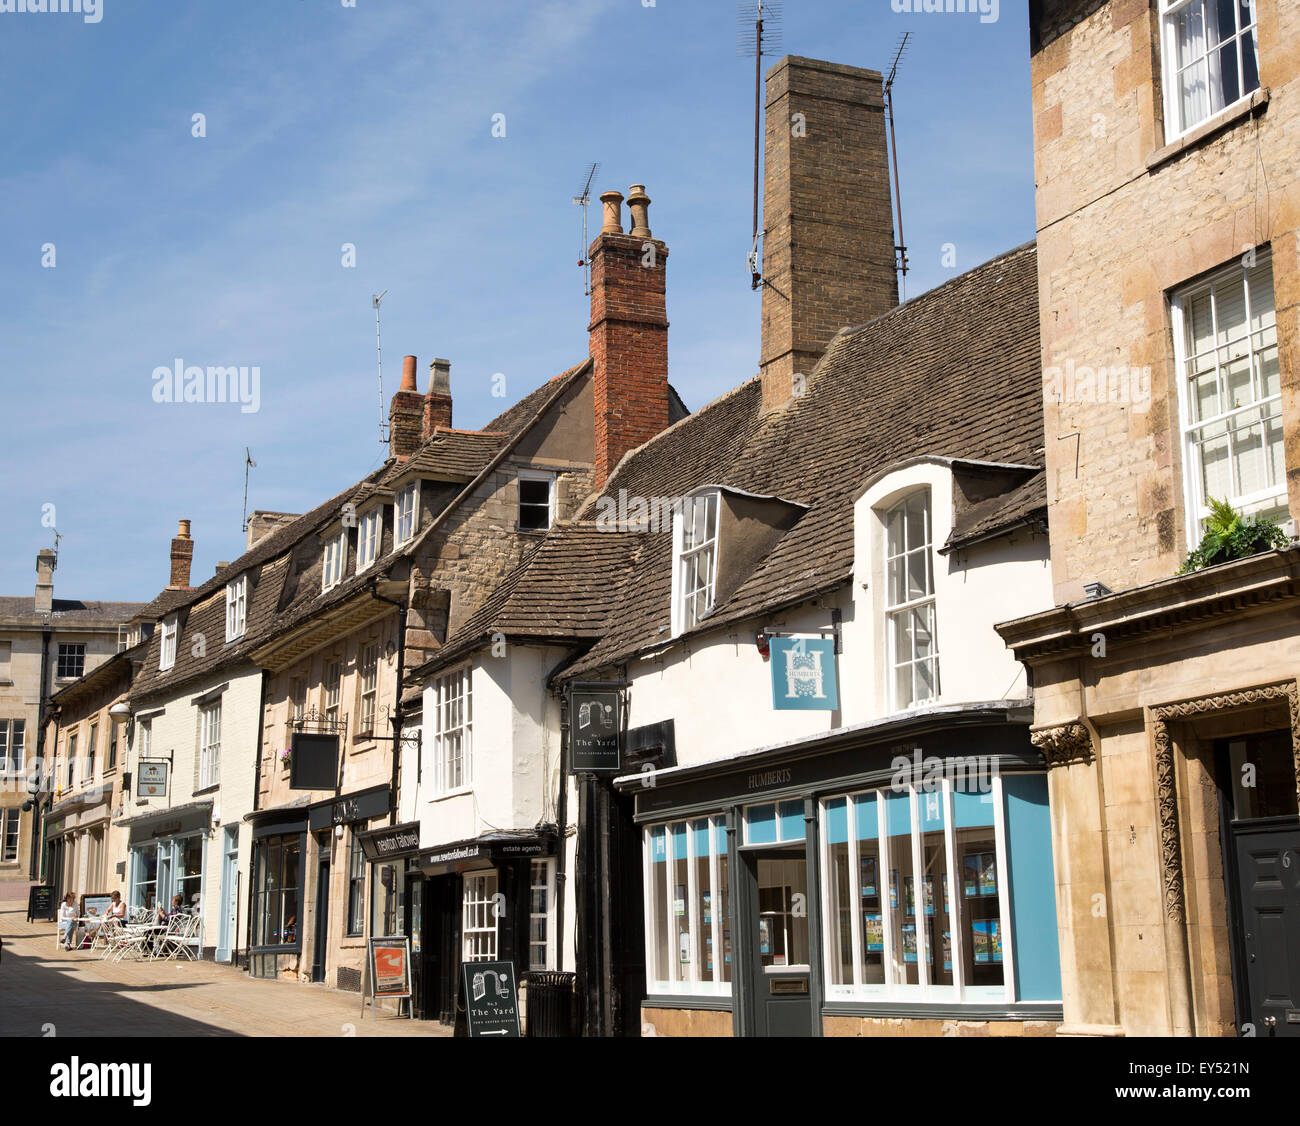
(1256, 104)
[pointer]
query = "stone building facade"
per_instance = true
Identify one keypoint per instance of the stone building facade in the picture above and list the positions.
(1168, 199)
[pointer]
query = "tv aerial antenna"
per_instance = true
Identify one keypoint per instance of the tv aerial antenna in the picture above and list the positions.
(759, 27)
(379, 356)
(249, 463)
(582, 201)
(900, 251)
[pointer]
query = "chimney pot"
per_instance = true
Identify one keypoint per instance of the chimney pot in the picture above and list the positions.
(613, 202)
(408, 374)
(183, 529)
(638, 203)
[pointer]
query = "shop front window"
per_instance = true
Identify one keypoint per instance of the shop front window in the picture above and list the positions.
(389, 897)
(144, 891)
(916, 896)
(688, 930)
(276, 883)
(357, 886)
(187, 876)
(479, 921)
(541, 896)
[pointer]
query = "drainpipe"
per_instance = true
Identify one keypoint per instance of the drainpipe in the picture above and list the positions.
(34, 863)
(396, 720)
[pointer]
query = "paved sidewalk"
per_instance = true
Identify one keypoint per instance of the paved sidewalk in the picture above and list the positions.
(49, 991)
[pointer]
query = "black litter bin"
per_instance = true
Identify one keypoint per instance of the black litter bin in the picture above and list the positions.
(550, 1003)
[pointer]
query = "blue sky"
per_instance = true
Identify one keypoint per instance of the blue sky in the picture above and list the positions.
(372, 125)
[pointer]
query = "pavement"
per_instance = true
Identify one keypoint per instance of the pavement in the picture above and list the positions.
(47, 991)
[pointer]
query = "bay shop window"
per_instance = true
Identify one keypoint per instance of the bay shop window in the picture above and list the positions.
(688, 932)
(938, 892)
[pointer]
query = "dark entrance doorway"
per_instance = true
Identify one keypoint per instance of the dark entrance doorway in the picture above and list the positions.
(320, 938)
(1261, 844)
(778, 941)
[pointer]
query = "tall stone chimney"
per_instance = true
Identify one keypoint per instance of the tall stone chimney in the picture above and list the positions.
(182, 557)
(628, 331)
(828, 241)
(437, 403)
(405, 415)
(46, 561)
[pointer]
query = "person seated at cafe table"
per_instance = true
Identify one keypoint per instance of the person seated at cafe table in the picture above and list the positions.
(117, 907)
(164, 918)
(68, 921)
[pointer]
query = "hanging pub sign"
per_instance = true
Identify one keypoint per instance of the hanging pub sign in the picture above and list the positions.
(491, 998)
(595, 728)
(151, 778)
(803, 674)
(313, 761)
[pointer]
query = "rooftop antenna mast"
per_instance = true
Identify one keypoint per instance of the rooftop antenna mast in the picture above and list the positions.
(379, 355)
(759, 27)
(249, 463)
(900, 251)
(582, 201)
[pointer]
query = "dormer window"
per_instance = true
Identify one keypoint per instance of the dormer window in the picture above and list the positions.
(536, 500)
(167, 647)
(695, 560)
(336, 548)
(368, 535)
(909, 602)
(236, 608)
(405, 512)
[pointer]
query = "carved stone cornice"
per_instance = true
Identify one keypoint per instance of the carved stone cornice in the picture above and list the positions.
(1166, 788)
(1063, 744)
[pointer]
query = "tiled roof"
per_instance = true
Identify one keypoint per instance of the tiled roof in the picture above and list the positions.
(562, 590)
(952, 374)
(286, 585)
(69, 610)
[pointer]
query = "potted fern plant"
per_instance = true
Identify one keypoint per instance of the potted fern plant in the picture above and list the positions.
(1228, 537)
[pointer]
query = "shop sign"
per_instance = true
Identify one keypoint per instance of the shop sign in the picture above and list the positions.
(390, 967)
(347, 809)
(803, 674)
(151, 778)
(595, 723)
(400, 840)
(491, 998)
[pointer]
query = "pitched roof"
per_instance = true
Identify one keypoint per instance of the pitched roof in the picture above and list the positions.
(282, 598)
(953, 373)
(69, 610)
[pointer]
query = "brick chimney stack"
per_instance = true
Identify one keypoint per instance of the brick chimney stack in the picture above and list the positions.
(46, 561)
(437, 403)
(628, 331)
(405, 415)
(182, 557)
(828, 241)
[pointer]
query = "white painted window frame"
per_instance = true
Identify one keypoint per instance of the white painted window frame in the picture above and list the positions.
(169, 643)
(536, 475)
(210, 744)
(477, 904)
(443, 784)
(368, 687)
(892, 610)
(681, 556)
(334, 559)
(959, 993)
(1195, 502)
(400, 513)
(658, 916)
(1175, 127)
(10, 816)
(236, 608)
(370, 535)
(547, 866)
